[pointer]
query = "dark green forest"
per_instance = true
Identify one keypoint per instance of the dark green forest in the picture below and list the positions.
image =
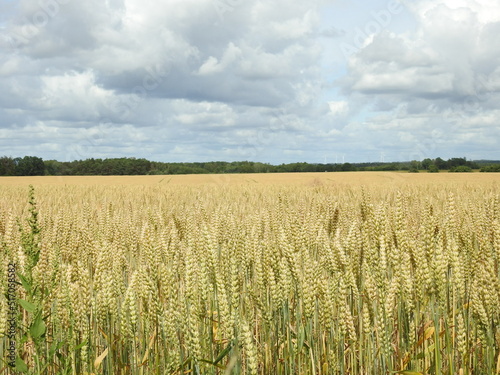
(35, 166)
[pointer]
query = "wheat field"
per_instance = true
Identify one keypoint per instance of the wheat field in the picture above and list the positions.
(332, 273)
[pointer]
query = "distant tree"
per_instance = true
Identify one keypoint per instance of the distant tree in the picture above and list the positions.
(426, 163)
(389, 167)
(433, 168)
(473, 164)
(53, 167)
(348, 167)
(415, 164)
(440, 163)
(245, 167)
(461, 169)
(491, 168)
(7, 166)
(30, 166)
(456, 162)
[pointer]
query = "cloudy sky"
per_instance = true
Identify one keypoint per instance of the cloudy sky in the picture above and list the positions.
(265, 80)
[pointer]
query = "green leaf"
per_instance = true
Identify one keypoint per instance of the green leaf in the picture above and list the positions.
(213, 363)
(56, 345)
(408, 372)
(21, 366)
(420, 355)
(25, 283)
(38, 327)
(81, 345)
(223, 353)
(28, 306)
(302, 337)
(36, 257)
(24, 337)
(53, 349)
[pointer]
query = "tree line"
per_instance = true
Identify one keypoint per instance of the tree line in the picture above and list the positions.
(35, 166)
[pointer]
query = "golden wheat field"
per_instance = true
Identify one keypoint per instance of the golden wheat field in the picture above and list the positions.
(320, 273)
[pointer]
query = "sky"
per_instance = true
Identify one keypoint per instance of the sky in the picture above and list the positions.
(261, 80)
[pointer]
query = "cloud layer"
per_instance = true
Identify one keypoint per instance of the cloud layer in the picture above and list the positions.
(269, 81)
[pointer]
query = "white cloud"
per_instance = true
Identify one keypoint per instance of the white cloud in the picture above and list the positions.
(187, 80)
(441, 75)
(205, 115)
(339, 108)
(213, 66)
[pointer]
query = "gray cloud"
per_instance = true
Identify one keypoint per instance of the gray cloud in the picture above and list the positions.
(236, 80)
(440, 81)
